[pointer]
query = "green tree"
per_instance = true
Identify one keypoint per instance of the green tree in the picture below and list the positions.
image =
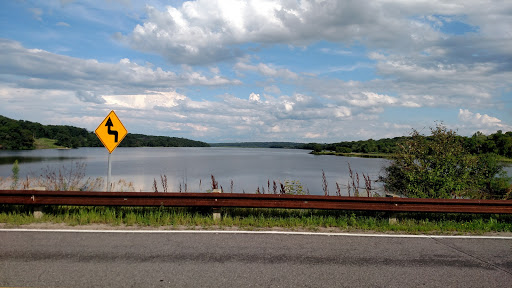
(491, 179)
(317, 148)
(439, 167)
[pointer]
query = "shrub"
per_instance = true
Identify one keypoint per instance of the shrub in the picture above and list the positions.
(438, 167)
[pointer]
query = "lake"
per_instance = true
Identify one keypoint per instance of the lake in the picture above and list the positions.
(247, 168)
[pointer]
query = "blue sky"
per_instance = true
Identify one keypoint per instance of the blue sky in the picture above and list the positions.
(235, 71)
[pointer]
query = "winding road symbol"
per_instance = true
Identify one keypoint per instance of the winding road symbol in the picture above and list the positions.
(114, 128)
(111, 132)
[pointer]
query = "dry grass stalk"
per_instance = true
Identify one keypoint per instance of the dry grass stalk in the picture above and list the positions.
(163, 179)
(338, 189)
(351, 174)
(155, 186)
(367, 184)
(215, 184)
(324, 184)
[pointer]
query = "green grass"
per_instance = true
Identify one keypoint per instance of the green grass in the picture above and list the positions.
(45, 143)
(383, 155)
(361, 155)
(260, 219)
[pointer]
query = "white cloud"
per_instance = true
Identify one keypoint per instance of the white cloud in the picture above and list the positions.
(473, 122)
(335, 51)
(208, 31)
(148, 100)
(88, 96)
(266, 70)
(63, 24)
(254, 97)
(341, 112)
(370, 99)
(39, 69)
(479, 120)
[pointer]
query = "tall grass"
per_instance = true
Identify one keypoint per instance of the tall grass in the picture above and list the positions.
(259, 218)
(63, 178)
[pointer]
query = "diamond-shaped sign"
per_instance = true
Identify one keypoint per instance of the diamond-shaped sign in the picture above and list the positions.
(111, 131)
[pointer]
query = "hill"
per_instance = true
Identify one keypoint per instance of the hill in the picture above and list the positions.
(21, 135)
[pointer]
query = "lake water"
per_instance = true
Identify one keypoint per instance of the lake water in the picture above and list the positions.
(247, 168)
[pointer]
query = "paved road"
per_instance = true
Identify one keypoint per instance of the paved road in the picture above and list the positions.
(48, 259)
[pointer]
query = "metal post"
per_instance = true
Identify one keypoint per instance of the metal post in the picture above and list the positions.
(38, 209)
(109, 172)
(216, 211)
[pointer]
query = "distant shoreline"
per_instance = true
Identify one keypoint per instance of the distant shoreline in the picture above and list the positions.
(352, 154)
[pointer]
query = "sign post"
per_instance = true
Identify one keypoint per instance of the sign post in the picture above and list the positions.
(111, 132)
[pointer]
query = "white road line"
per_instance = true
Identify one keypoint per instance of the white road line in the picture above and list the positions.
(257, 232)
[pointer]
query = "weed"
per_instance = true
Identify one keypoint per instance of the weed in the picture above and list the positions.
(215, 184)
(324, 184)
(70, 178)
(15, 175)
(155, 186)
(163, 179)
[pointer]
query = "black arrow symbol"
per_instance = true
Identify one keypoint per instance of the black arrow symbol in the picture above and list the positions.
(111, 132)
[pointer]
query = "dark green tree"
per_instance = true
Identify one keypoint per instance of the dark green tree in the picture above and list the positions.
(438, 166)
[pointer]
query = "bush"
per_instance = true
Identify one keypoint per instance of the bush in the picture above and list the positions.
(438, 167)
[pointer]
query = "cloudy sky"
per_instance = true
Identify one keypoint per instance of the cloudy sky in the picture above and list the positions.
(234, 71)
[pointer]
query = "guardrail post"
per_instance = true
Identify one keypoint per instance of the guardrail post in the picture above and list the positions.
(392, 218)
(392, 215)
(38, 209)
(216, 211)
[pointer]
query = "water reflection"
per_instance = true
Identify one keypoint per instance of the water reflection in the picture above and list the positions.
(9, 160)
(247, 168)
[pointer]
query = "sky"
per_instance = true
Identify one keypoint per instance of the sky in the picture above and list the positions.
(241, 71)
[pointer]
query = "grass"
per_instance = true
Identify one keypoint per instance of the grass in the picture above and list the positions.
(260, 219)
(45, 143)
(383, 155)
(353, 154)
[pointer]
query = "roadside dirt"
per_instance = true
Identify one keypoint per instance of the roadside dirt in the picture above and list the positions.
(61, 226)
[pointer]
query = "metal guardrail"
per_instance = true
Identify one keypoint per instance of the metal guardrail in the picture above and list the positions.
(219, 200)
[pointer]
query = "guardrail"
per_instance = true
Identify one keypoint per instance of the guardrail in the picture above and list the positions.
(220, 200)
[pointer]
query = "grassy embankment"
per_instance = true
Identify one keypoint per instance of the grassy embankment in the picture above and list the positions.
(45, 143)
(260, 219)
(361, 155)
(382, 155)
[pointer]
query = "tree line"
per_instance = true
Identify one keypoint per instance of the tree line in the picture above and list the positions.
(21, 135)
(288, 145)
(498, 143)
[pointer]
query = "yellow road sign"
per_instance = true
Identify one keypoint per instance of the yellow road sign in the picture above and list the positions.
(111, 131)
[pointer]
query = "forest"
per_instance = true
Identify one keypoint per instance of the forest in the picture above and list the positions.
(21, 135)
(497, 143)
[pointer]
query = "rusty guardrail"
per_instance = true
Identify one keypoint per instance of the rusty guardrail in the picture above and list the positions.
(218, 200)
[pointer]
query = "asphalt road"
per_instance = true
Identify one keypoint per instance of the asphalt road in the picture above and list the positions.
(68, 259)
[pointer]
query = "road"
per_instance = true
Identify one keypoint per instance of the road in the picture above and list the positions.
(122, 259)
